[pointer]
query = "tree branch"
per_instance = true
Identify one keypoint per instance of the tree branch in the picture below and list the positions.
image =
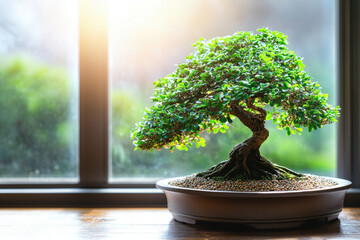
(250, 104)
(249, 119)
(244, 116)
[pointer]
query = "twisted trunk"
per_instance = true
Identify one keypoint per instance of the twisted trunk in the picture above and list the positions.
(245, 161)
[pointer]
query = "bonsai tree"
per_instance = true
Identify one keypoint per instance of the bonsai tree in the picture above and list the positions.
(252, 77)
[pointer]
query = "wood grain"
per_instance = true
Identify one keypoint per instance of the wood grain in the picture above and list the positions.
(152, 223)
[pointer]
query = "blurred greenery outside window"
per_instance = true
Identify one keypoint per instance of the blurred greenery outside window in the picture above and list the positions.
(38, 90)
(147, 39)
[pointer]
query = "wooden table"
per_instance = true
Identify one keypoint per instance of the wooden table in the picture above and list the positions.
(151, 223)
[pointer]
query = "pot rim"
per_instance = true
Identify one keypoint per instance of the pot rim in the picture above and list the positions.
(342, 185)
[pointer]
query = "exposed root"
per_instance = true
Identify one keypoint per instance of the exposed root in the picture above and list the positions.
(254, 167)
(287, 171)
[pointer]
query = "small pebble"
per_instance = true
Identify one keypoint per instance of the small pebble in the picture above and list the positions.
(308, 182)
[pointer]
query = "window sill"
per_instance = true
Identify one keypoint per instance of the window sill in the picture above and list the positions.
(352, 198)
(82, 197)
(104, 197)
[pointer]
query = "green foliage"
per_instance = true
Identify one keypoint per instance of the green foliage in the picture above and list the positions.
(237, 69)
(37, 137)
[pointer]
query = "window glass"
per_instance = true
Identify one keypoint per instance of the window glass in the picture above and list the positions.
(147, 39)
(38, 90)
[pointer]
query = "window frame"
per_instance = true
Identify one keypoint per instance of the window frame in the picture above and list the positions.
(348, 157)
(93, 189)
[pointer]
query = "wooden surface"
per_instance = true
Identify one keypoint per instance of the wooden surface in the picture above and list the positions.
(152, 223)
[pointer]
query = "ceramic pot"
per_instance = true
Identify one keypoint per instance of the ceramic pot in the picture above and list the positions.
(262, 210)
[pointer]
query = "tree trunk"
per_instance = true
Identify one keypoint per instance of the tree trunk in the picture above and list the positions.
(245, 161)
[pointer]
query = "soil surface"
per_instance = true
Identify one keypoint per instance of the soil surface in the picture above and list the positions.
(308, 182)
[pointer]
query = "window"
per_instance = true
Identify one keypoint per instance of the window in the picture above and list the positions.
(147, 39)
(82, 130)
(38, 91)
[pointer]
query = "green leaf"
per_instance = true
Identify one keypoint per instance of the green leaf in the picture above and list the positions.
(310, 128)
(223, 119)
(288, 131)
(268, 116)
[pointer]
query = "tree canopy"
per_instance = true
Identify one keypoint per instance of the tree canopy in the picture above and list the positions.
(255, 71)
